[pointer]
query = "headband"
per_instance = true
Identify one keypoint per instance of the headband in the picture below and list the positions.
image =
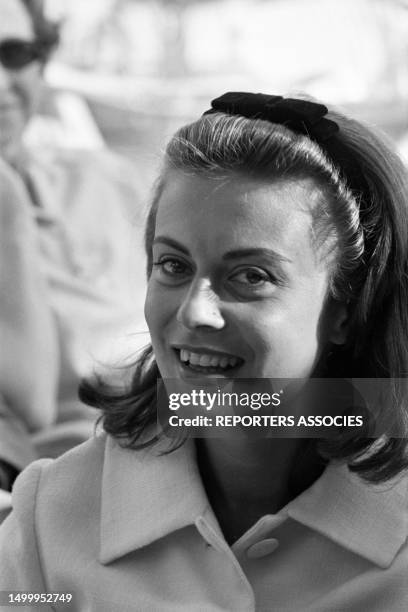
(301, 116)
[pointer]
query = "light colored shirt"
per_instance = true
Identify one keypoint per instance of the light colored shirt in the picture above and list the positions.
(90, 220)
(28, 345)
(84, 211)
(133, 530)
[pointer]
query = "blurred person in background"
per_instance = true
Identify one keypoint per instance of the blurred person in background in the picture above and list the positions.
(67, 239)
(27, 336)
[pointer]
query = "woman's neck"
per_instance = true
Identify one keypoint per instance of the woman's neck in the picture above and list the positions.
(247, 478)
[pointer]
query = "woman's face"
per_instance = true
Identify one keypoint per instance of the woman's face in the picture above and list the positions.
(237, 287)
(19, 89)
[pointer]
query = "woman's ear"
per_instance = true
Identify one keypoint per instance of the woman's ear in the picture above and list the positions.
(339, 320)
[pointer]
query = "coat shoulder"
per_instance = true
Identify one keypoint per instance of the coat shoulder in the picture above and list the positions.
(58, 484)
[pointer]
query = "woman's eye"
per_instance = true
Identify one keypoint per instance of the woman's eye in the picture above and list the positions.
(253, 280)
(171, 268)
(252, 276)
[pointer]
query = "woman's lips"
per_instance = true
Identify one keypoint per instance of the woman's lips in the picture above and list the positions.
(207, 361)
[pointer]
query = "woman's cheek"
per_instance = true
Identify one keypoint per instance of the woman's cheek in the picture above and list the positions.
(160, 306)
(151, 305)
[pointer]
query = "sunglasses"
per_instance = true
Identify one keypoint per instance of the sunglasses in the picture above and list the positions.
(16, 54)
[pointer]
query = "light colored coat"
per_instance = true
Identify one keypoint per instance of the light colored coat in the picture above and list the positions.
(130, 530)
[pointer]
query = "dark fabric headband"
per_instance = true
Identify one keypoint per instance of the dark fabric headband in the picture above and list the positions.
(302, 117)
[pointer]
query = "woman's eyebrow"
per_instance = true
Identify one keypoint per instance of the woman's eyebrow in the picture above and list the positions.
(259, 252)
(172, 243)
(235, 254)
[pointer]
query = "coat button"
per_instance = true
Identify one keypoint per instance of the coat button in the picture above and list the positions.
(262, 548)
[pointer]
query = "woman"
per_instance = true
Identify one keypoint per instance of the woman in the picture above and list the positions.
(84, 266)
(277, 248)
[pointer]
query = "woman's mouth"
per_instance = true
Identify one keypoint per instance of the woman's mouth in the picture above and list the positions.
(203, 362)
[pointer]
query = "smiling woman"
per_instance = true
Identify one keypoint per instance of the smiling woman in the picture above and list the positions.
(277, 246)
(212, 293)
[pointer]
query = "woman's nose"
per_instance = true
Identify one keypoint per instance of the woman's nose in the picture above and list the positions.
(5, 79)
(200, 307)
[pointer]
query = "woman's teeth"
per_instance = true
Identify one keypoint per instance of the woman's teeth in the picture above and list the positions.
(207, 361)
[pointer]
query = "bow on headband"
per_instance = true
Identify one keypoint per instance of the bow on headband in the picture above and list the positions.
(301, 116)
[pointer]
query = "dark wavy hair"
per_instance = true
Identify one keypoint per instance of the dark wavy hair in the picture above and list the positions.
(47, 32)
(362, 212)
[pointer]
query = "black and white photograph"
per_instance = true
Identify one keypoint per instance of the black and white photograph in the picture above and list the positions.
(204, 305)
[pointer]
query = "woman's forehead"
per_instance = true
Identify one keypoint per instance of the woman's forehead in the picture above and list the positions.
(235, 198)
(215, 216)
(15, 21)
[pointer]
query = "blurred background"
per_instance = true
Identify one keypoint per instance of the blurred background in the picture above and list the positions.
(129, 72)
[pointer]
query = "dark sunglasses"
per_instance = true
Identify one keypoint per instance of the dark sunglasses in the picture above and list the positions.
(16, 53)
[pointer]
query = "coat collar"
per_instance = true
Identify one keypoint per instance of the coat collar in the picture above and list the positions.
(147, 495)
(370, 520)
